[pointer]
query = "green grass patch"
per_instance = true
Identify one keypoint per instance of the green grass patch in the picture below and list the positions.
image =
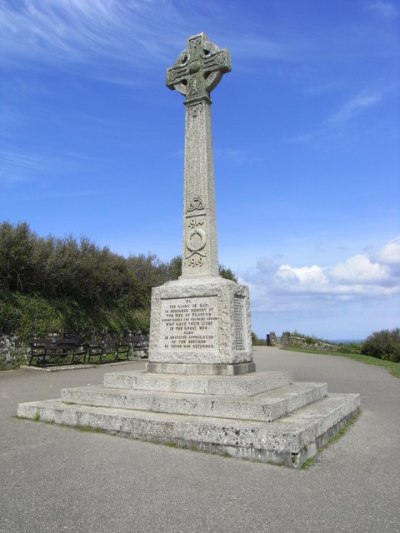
(393, 368)
(334, 438)
(170, 444)
(309, 462)
(88, 429)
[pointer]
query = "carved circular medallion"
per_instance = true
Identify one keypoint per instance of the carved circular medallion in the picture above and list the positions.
(196, 240)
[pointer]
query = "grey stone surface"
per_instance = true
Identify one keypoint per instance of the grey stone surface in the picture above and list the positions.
(200, 321)
(266, 407)
(201, 318)
(241, 385)
(288, 441)
(219, 369)
(195, 74)
(254, 416)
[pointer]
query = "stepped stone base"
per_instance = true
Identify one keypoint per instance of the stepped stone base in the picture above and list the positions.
(246, 385)
(262, 417)
(218, 369)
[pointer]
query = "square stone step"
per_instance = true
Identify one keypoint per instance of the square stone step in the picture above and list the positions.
(243, 385)
(267, 406)
(289, 441)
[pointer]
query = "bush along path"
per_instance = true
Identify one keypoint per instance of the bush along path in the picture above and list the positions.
(381, 348)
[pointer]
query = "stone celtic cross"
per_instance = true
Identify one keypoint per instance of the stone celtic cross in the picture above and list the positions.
(195, 74)
(198, 69)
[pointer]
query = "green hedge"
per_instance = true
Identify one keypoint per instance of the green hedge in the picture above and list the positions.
(51, 285)
(383, 344)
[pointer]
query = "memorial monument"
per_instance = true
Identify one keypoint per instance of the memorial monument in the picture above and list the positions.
(200, 324)
(200, 389)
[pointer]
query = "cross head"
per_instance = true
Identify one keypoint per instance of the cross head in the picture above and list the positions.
(198, 69)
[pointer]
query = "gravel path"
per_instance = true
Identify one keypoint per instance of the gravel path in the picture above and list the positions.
(59, 479)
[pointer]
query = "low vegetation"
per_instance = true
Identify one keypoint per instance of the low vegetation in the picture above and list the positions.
(312, 343)
(384, 345)
(65, 285)
(53, 285)
(382, 348)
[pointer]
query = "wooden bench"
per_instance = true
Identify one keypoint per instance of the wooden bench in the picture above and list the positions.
(107, 345)
(139, 344)
(48, 350)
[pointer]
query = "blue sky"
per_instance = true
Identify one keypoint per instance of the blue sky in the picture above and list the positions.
(305, 132)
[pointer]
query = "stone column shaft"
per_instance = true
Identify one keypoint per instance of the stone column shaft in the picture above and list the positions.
(199, 253)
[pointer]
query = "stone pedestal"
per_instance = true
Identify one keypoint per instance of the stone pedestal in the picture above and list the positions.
(200, 326)
(262, 416)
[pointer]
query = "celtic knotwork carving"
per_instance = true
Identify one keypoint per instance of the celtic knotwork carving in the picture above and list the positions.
(195, 262)
(196, 204)
(194, 223)
(198, 69)
(195, 110)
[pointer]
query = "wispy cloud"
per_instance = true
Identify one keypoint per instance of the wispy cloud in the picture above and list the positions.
(17, 165)
(386, 10)
(81, 31)
(134, 32)
(356, 105)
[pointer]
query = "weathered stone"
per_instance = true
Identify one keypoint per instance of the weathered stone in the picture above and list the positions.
(195, 74)
(204, 320)
(288, 441)
(241, 385)
(267, 406)
(218, 369)
(201, 319)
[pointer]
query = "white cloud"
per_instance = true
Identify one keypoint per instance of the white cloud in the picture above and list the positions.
(356, 279)
(359, 269)
(311, 277)
(390, 253)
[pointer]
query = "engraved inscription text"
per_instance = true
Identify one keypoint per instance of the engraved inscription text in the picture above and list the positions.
(238, 319)
(189, 324)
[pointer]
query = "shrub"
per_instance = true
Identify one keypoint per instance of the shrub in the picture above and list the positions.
(52, 285)
(383, 344)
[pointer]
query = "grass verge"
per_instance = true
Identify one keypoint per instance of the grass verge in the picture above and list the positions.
(393, 368)
(338, 435)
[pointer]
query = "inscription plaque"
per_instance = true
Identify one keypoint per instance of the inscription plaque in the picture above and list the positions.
(189, 324)
(238, 320)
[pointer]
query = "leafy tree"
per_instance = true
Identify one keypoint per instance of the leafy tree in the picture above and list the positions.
(383, 344)
(227, 273)
(50, 284)
(15, 257)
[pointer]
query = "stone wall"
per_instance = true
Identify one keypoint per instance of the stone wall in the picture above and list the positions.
(12, 352)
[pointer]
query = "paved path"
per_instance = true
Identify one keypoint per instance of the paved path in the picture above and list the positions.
(55, 479)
